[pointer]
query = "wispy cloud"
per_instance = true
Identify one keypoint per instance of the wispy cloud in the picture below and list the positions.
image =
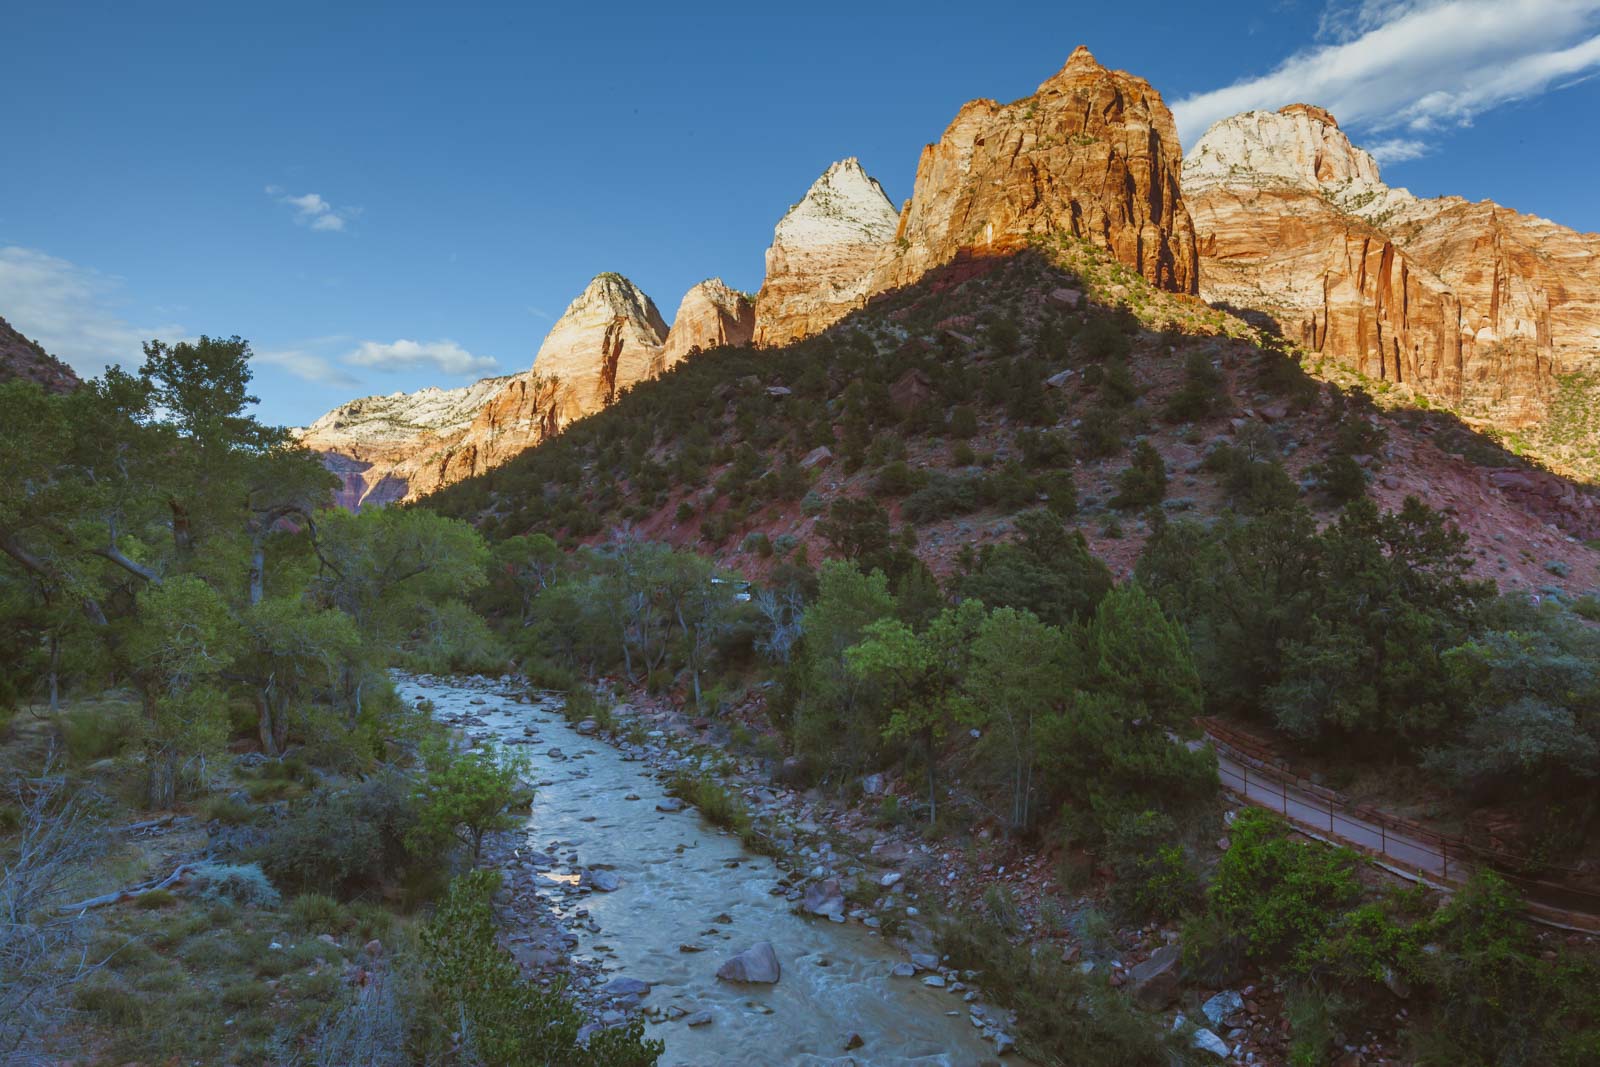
(1396, 149)
(307, 366)
(1418, 66)
(73, 311)
(310, 209)
(447, 357)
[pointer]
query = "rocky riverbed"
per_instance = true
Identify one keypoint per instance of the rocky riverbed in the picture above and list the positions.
(646, 908)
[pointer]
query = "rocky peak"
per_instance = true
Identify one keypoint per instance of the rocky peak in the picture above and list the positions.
(845, 205)
(710, 314)
(1093, 154)
(1298, 145)
(607, 339)
(822, 254)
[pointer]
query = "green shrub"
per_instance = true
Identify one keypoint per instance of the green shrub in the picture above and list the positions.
(1273, 894)
(1064, 1016)
(1155, 879)
(155, 899)
(343, 844)
(715, 804)
(1144, 482)
(314, 913)
(96, 733)
(505, 1019)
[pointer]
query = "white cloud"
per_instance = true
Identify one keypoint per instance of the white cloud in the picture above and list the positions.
(312, 210)
(1418, 65)
(307, 366)
(1396, 149)
(72, 311)
(447, 357)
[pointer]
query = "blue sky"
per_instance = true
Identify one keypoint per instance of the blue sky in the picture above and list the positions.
(390, 196)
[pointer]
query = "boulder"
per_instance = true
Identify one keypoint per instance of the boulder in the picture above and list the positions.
(623, 986)
(1154, 983)
(601, 881)
(1222, 1006)
(824, 898)
(758, 963)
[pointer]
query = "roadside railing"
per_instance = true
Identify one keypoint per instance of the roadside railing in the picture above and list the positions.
(1416, 851)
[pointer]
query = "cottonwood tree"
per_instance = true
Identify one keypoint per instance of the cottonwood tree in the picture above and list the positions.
(919, 676)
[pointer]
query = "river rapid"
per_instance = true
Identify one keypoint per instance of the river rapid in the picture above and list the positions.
(689, 897)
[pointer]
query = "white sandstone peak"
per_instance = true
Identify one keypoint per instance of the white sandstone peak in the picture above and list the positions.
(846, 205)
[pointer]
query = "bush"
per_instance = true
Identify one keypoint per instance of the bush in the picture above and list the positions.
(1144, 482)
(1274, 895)
(314, 913)
(943, 497)
(96, 733)
(1155, 879)
(243, 883)
(344, 844)
(1064, 1016)
(504, 1019)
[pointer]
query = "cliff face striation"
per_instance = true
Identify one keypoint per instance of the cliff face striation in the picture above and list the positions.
(823, 253)
(1471, 305)
(1092, 154)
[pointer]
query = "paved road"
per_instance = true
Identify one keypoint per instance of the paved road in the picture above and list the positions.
(1312, 812)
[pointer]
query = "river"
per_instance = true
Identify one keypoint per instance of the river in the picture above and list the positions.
(684, 882)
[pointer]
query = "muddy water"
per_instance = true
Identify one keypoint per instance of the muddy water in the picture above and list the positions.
(677, 875)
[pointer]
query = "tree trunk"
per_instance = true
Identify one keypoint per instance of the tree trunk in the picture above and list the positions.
(55, 672)
(258, 571)
(933, 796)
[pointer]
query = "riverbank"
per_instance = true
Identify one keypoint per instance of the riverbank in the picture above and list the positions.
(627, 894)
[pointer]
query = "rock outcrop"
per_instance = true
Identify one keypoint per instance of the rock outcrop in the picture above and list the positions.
(823, 253)
(26, 359)
(711, 314)
(608, 338)
(404, 446)
(1471, 305)
(1092, 154)
(373, 443)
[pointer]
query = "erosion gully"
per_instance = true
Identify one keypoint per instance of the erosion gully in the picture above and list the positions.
(688, 897)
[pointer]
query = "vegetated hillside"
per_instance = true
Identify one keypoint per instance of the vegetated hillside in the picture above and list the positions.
(998, 384)
(21, 357)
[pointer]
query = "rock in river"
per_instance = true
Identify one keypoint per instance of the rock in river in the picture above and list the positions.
(603, 881)
(824, 898)
(758, 963)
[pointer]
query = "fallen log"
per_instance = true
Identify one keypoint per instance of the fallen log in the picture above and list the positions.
(131, 893)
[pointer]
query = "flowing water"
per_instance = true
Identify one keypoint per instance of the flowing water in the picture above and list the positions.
(678, 874)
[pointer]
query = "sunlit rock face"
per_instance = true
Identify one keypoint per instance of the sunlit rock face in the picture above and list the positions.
(823, 252)
(1473, 305)
(1093, 154)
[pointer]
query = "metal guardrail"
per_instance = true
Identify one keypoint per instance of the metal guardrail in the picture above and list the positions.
(1414, 849)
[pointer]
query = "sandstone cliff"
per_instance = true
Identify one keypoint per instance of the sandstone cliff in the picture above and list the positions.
(406, 445)
(366, 440)
(711, 314)
(823, 252)
(607, 339)
(1092, 154)
(25, 359)
(1471, 305)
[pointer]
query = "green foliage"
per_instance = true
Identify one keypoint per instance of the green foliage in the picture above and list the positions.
(507, 1020)
(1144, 482)
(1155, 878)
(345, 843)
(1048, 571)
(464, 795)
(1064, 1016)
(1273, 895)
